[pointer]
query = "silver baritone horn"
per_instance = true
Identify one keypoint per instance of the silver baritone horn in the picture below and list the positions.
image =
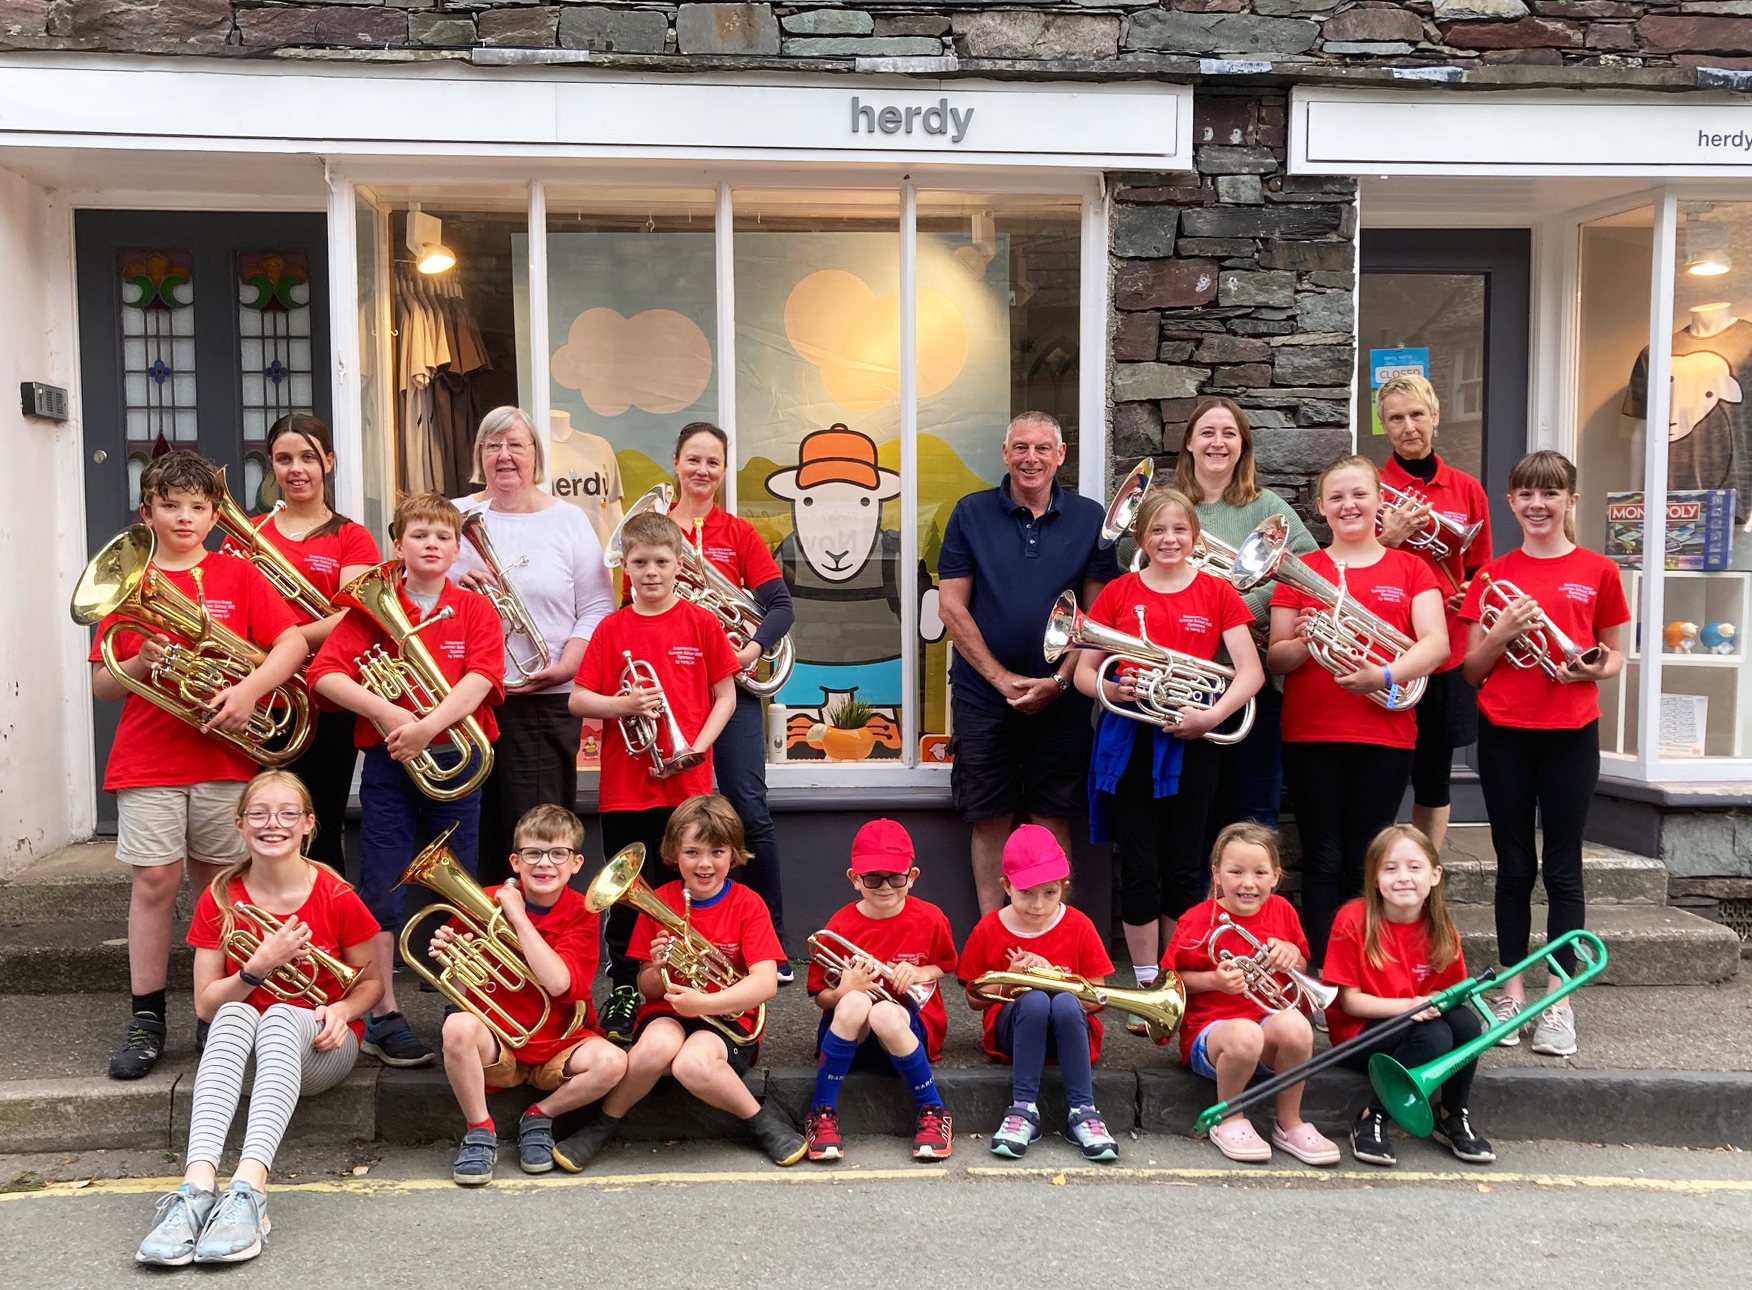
(1167, 680)
(1272, 990)
(513, 613)
(835, 954)
(658, 737)
(1347, 636)
(1440, 537)
(1210, 554)
(1545, 646)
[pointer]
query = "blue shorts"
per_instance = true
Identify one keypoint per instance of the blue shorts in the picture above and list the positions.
(1199, 1062)
(871, 1055)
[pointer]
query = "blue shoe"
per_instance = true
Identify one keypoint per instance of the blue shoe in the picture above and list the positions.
(181, 1215)
(535, 1143)
(392, 1041)
(476, 1158)
(234, 1232)
(1020, 1128)
(1090, 1134)
(786, 976)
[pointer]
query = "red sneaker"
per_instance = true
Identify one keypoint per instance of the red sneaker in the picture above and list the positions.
(935, 1136)
(822, 1130)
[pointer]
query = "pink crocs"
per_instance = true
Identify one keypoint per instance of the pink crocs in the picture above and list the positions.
(1306, 1143)
(1238, 1140)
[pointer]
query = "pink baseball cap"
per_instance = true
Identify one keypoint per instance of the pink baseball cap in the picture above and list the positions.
(1033, 856)
(882, 846)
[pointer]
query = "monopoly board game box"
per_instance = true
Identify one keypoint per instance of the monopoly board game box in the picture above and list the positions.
(1700, 528)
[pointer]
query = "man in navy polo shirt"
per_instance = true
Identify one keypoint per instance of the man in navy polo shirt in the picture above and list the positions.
(1021, 742)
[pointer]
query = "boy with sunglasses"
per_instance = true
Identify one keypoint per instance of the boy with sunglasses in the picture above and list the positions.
(910, 949)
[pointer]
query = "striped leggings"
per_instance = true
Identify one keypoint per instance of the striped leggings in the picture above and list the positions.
(286, 1067)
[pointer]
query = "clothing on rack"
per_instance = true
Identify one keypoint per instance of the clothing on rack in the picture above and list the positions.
(439, 359)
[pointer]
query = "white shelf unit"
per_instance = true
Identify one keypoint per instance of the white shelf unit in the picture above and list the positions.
(1698, 597)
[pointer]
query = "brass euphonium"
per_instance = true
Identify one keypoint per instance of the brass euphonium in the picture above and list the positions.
(1347, 636)
(514, 615)
(203, 658)
(1167, 679)
(248, 542)
(834, 954)
(1160, 1008)
(289, 981)
(659, 737)
(1545, 646)
(698, 963)
(1272, 990)
(483, 969)
(411, 677)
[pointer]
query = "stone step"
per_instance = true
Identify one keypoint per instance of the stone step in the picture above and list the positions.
(1609, 876)
(83, 956)
(1645, 945)
(83, 881)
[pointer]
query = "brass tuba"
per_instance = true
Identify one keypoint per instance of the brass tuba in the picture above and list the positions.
(1167, 679)
(1160, 1008)
(248, 542)
(289, 981)
(411, 676)
(1274, 991)
(203, 658)
(658, 737)
(696, 961)
(1545, 646)
(513, 613)
(482, 970)
(833, 953)
(1348, 636)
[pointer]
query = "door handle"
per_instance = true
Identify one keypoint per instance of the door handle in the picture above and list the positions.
(99, 457)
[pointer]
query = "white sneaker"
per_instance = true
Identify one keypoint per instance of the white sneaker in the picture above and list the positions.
(1555, 1035)
(1505, 1007)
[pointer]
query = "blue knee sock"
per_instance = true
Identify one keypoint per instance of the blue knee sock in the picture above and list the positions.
(915, 1069)
(835, 1062)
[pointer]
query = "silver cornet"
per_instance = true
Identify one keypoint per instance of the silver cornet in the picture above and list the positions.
(1544, 639)
(1440, 537)
(834, 953)
(513, 613)
(659, 736)
(1167, 679)
(1272, 990)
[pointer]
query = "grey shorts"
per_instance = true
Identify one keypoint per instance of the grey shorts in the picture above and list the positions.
(160, 825)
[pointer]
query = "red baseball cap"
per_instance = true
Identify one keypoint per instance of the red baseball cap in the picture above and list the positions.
(1033, 856)
(882, 846)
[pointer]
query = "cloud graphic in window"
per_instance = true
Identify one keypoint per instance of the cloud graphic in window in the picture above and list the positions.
(659, 361)
(835, 321)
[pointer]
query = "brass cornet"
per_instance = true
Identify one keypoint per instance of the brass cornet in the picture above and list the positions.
(514, 615)
(289, 981)
(1272, 990)
(1167, 679)
(834, 953)
(411, 676)
(1160, 1008)
(246, 539)
(1440, 537)
(693, 959)
(203, 658)
(1545, 646)
(657, 737)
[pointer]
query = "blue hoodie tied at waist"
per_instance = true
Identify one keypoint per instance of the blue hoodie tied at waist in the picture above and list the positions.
(1115, 737)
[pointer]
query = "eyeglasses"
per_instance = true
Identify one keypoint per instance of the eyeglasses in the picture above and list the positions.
(557, 855)
(516, 447)
(260, 815)
(877, 881)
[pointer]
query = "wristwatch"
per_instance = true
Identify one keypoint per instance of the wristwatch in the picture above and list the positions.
(1063, 685)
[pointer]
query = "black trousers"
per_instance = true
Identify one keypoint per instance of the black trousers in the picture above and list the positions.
(1158, 842)
(1537, 779)
(1424, 1042)
(1344, 794)
(327, 768)
(1446, 719)
(535, 762)
(622, 829)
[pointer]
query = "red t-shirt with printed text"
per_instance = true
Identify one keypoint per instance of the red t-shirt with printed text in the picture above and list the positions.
(1316, 707)
(1581, 594)
(338, 921)
(918, 934)
(731, 543)
(1191, 620)
(1188, 952)
(1071, 943)
(1405, 972)
(735, 920)
(574, 933)
(686, 647)
(469, 640)
(154, 749)
(319, 559)
(1459, 497)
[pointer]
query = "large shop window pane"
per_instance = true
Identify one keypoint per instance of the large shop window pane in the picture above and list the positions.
(1439, 318)
(999, 285)
(818, 368)
(157, 305)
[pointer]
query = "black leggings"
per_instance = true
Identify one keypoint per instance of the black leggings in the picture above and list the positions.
(326, 767)
(1447, 719)
(622, 829)
(1424, 1042)
(1543, 779)
(1159, 841)
(1343, 794)
(535, 762)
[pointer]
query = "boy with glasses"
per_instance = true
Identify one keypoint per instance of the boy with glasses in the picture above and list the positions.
(909, 945)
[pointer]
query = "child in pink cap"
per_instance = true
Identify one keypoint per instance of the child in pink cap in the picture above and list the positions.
(1036, 930)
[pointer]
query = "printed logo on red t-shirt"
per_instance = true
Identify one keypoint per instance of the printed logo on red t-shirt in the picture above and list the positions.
(1583, 593)
(322, 563)
(1392, 595)
(220, 607)
(686, 655)
(452, 649)
(721, 555)
(1196, 623)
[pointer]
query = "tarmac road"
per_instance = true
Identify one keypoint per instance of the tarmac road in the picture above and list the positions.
(1170, 1213)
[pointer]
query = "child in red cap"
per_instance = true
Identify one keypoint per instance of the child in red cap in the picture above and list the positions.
(898, 944)
(1038, 930)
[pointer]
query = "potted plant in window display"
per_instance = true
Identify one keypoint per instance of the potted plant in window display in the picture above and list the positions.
(846, 735)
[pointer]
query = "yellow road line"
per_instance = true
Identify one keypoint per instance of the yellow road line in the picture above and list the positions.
(1489, 1178)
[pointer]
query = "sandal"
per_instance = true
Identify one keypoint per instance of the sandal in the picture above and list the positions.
(1306, 1143)
(1240, 1141)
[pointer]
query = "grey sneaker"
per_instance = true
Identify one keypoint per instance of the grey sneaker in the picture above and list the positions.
(1555, 1034)
(1090, 1134)
(1505, 1007)
(535, 1143)
(476, 1157)
(234, 1232)
(1020, 1128)
(181, 1215)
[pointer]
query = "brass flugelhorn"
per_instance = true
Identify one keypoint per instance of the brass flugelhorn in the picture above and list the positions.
(1272, 990)
(1545, 646)
(834, 953)
(1440, 537)
(252, 925)
(203, 658)
(699, 964)
(1159, 1008)
(514, 615)
(482, 970)
(247, 541)
(1167, 679)
(410, 676)
(1345, 638)
(657, 737)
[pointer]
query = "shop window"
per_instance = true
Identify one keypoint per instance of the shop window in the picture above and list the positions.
(274, 376)
(1432, 324)
(158, 355)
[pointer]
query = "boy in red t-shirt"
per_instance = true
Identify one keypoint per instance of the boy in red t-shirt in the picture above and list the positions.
(557, 936)
(886, 929)
(461, 631)
(176, 788)
(684, 648)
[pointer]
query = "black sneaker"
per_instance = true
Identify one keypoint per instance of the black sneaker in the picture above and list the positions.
(535, 1143)
(1456, 1131)
(140, 1050)
(619, 1014)
(786, 976)
(777, 1136)
(1369, 1139)
(201, 1029)
(392, 1041)
(575, 1152)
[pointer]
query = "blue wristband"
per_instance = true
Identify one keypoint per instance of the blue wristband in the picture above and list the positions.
(1392, 689)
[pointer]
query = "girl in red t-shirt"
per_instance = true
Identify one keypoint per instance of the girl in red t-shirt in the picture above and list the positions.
(300, 1047)
(1538, 736)
(1391, 950)
(1224, 1034)
(1347, 760)
(1150, 786)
